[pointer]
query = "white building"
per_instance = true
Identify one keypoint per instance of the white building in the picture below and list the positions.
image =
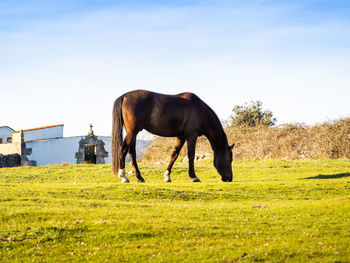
(46, 145)
(5, 134)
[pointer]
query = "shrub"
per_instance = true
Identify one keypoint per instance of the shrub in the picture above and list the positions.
(290, 141)
(251, 115)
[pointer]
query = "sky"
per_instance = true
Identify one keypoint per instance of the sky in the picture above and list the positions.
(66, 61)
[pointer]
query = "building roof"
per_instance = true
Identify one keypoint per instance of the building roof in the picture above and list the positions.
(1, 127)
(40, 128)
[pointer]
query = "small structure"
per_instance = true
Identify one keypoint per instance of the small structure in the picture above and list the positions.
(46, 145)
(91, 149)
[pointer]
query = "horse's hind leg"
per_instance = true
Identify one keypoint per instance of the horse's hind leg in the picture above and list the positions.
(132, 153)
(176, 150)
(191, 148)
(124, 151)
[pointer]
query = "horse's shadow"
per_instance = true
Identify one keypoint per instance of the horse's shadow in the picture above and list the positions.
(328, 176)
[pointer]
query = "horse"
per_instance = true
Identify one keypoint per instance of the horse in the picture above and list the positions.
(184, 116)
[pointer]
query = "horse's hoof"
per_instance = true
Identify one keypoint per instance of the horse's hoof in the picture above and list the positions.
(167, 177)
(196, 180)
(141, 180)
(167, 180)
(125, 180)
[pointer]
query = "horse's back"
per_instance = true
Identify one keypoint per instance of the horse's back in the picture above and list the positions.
(164, 115)
(144, 100)
(189, 96)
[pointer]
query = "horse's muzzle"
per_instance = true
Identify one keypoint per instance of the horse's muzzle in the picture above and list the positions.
(226, 179)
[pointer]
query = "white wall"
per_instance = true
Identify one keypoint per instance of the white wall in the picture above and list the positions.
(54, 151)
(63, 150)
(10, 148)
(43, 134)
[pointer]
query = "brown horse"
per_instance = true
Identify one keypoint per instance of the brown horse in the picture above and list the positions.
(184, 116)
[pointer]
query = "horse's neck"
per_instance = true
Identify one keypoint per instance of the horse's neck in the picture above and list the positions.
(215, 134)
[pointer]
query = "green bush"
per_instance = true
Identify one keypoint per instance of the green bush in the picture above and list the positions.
(251, 115)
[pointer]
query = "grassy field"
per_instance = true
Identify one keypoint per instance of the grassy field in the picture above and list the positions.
(275, 211)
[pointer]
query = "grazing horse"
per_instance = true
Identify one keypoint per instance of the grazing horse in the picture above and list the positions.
(184, 116)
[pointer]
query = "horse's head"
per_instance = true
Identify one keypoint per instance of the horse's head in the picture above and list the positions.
(223, 163)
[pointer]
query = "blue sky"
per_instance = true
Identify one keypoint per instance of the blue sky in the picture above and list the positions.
(67, 61)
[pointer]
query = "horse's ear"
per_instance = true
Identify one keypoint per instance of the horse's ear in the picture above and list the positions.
(231, 147)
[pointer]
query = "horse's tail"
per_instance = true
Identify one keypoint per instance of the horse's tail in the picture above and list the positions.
(117, 134)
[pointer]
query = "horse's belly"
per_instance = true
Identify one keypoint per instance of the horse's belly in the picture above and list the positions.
(164, 132)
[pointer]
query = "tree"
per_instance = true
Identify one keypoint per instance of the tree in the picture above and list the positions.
(251, 115)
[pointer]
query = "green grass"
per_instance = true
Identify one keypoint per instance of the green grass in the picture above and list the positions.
(275, 211)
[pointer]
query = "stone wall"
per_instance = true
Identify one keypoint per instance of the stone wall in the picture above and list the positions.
(10, 160)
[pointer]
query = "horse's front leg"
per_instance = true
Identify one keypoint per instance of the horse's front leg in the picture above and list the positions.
(191, 148)
(132, 153)
(179, 142)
